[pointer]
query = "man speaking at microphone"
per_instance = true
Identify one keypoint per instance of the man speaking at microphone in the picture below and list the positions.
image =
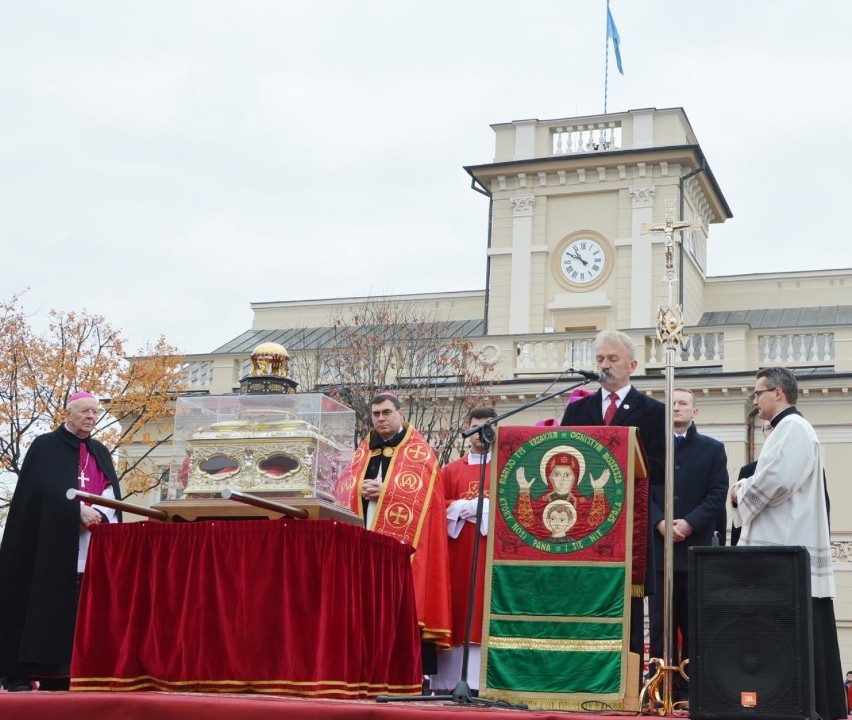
(619, 403)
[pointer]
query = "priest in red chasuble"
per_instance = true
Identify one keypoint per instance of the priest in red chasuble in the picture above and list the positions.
(393, 484)
(460, 479)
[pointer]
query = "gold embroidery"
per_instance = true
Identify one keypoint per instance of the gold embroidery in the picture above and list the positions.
(410, 482)
(417, 453)
(398, 515)
(554, 644)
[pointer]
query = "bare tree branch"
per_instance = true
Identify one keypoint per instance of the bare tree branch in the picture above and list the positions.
(383, 344)
(79, 351)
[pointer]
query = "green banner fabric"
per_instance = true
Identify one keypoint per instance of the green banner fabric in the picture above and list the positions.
(559, 570)
(563, 589)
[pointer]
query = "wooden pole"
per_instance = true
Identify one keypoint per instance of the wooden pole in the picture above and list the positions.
(254, 500)
(127, 507)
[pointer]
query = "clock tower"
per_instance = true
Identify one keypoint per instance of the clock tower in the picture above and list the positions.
(569, 199)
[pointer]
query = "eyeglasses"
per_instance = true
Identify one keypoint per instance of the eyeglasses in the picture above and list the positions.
(757, 393)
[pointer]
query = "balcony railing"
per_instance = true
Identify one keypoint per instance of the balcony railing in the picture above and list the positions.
(553, 353)
(704, 348)
(699, 349)
(549, 356)
(594, 137)
(791, 348)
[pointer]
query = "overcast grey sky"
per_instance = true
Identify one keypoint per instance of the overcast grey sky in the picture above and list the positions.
(165, 164)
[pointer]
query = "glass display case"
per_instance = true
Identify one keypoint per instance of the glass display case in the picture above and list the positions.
(282, 445)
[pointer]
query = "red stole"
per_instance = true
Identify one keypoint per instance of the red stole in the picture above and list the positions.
(411, 509)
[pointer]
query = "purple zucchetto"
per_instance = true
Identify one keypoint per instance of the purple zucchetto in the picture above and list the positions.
(82, 395)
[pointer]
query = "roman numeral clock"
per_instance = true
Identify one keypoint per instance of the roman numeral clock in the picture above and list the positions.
(583, 260)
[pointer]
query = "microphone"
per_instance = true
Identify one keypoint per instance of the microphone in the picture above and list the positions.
(588, 374)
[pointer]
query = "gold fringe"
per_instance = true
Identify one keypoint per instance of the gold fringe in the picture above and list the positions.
(637, 591)
(541, 701)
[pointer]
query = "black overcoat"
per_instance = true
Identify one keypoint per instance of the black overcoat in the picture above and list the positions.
(700, 492)
(38, 555)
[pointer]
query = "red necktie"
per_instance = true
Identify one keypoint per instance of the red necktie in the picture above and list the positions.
(613, 406)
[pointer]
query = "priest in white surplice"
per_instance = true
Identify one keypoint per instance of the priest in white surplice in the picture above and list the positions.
(785, 502)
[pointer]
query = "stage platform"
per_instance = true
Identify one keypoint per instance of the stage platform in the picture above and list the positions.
(190, 706)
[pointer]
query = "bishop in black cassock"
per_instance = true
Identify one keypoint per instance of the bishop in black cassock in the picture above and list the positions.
(39, 552)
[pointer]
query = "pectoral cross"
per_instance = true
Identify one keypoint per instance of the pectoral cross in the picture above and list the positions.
(82, 479)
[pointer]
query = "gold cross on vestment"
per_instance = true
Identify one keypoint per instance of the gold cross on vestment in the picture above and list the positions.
(398, 516)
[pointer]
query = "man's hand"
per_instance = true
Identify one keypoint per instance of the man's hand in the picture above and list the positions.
(370, 489)
(734, 489)
(681, 529)
(89, 516)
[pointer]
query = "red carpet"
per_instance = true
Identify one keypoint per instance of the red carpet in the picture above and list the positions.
(191, 706)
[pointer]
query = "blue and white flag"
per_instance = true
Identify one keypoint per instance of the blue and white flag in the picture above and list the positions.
(612, 32)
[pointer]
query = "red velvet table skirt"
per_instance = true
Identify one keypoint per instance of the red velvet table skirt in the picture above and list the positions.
(291, 607)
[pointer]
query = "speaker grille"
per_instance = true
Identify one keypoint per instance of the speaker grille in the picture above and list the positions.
(750, 632)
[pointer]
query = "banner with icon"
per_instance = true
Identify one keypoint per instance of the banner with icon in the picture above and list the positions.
(567, 554)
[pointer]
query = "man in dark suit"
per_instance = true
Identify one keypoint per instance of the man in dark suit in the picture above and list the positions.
(619, 403)
(700, 491)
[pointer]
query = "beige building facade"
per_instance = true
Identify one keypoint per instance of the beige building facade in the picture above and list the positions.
(567, 257)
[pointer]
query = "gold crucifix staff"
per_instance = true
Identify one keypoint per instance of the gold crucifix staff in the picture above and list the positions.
(670, 335)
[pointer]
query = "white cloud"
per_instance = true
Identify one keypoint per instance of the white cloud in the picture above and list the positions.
(179, 156)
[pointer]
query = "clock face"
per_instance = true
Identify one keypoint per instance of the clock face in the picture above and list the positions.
(583, 261)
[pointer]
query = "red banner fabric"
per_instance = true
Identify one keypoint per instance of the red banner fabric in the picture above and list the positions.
(595, 517)
(276, 606)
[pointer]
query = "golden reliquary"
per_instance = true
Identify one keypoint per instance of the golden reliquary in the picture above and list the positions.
(281, 445)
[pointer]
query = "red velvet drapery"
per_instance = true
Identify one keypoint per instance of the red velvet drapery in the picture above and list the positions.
(286, 606)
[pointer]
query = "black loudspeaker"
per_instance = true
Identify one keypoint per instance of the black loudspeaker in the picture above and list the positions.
(750, 634)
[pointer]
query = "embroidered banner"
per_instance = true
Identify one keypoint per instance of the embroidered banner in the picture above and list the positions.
(560, 569)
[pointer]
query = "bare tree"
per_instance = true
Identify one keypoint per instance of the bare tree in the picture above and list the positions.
(382, 344)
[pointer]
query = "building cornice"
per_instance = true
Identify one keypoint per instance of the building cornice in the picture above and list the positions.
(781, 275)
(415, 297)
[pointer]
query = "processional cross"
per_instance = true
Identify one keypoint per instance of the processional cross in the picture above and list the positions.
(670, 336)
(670, 318)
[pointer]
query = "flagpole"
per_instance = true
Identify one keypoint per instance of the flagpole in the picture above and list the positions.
(606, 59)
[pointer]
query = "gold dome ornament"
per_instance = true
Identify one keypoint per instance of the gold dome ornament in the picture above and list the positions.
(270, 359)
(270, 371)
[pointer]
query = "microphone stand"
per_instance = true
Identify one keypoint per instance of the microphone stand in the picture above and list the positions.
(461, 693)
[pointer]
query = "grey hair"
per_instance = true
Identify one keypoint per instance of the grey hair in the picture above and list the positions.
(616, 337)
